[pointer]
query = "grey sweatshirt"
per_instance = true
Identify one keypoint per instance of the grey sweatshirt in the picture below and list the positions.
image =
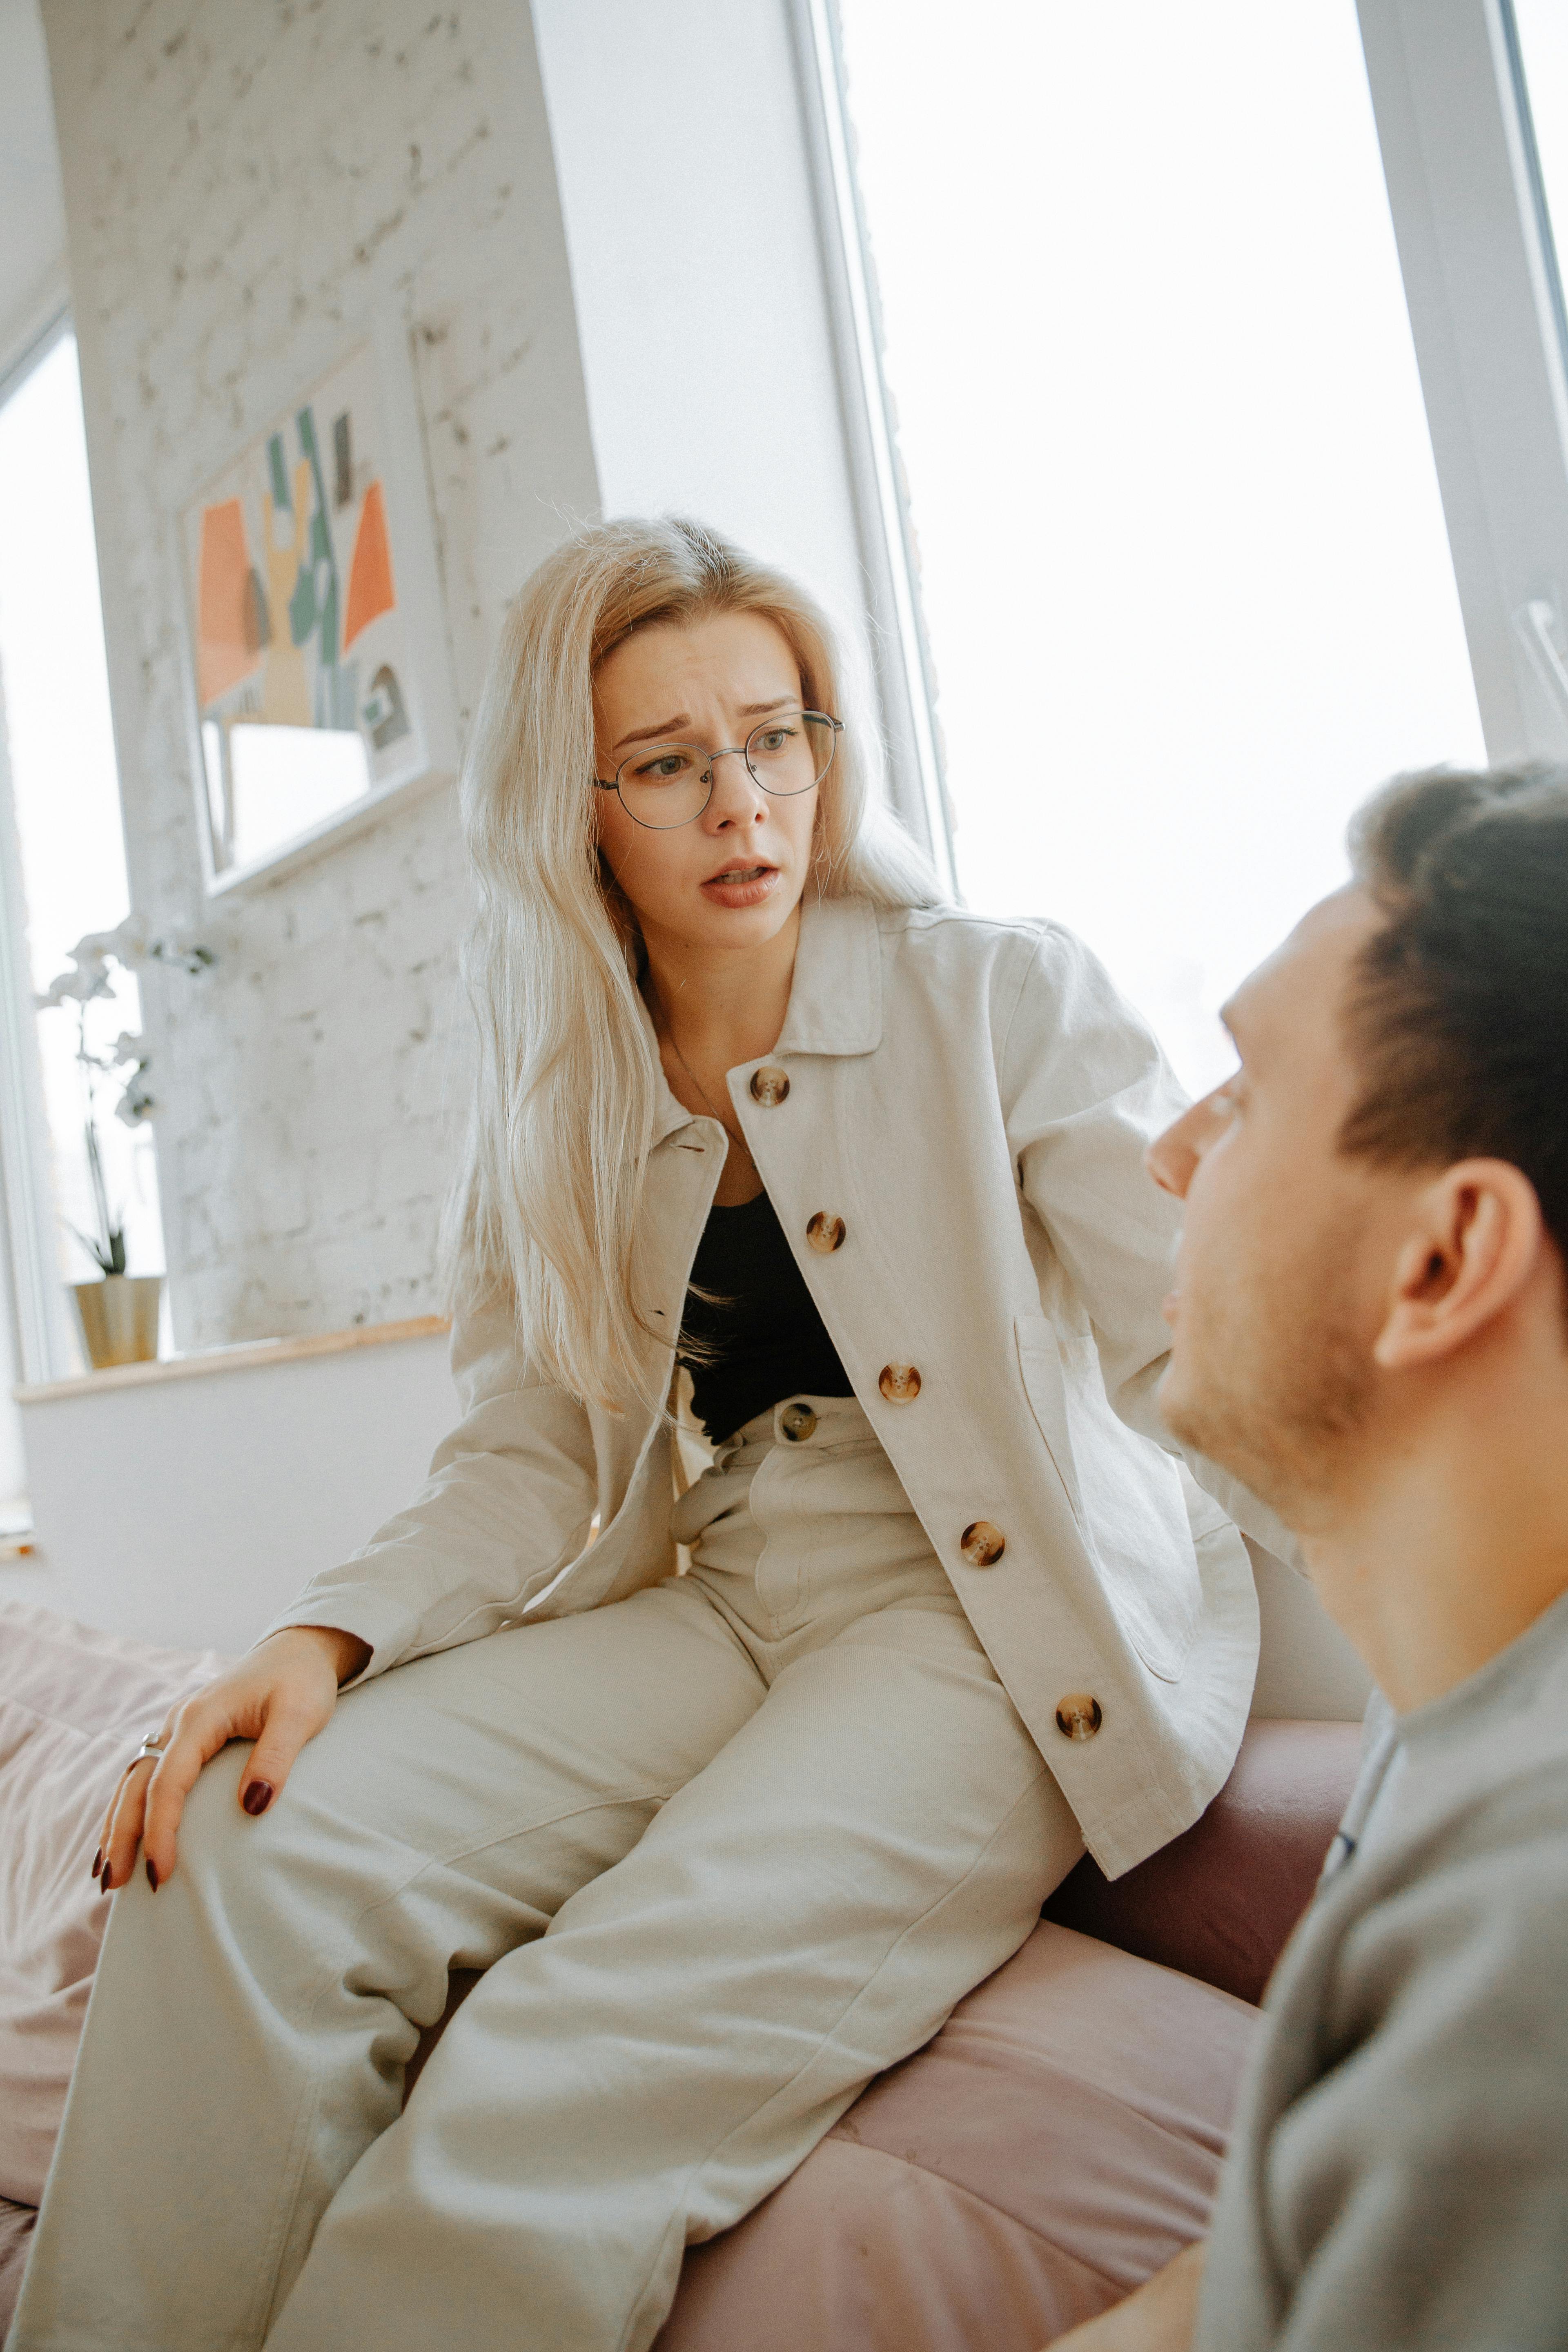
(1398, 2173)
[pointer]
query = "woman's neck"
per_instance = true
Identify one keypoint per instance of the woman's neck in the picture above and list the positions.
(720, 1006)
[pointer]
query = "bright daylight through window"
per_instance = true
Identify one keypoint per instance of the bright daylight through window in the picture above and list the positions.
(1543, 50)
(65, 799)
(1183, 563)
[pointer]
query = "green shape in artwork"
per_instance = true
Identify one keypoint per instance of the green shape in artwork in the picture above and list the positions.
(278, 471)
(302, 603)
(324, 602)
(329, 621)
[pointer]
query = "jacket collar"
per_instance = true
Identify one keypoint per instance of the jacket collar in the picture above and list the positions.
(834, 999)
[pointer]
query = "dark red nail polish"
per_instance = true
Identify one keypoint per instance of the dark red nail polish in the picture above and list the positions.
(107, 1881)
(257, 1797)
(98, 1862)
(151, 1878)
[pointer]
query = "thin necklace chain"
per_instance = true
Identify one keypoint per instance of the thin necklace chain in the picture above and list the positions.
(732, 1134)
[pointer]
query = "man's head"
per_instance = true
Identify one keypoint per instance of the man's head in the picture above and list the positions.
(1378, 1203)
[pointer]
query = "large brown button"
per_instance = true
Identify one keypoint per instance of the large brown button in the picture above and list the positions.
(826, 1233)
(899, 1383)
(982, 1544)
(769, 1085)
(797, 1421)
(1078, 1716)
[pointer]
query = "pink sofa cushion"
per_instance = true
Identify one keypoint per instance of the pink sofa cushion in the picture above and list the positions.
(74, 1705)
(1220, 1901)
(1059, 2141)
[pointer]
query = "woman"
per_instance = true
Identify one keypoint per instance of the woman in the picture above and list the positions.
(751, 1102)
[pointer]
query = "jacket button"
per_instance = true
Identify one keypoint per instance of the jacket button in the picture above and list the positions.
(797, 1421)
(899, 1383)
(1078, 1716)
(982, 1544)
(769, 1085)
(826, 1233)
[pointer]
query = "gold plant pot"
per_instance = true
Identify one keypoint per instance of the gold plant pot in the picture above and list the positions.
(118, 1319)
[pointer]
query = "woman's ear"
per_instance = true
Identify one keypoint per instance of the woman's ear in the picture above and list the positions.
(1475, 1241)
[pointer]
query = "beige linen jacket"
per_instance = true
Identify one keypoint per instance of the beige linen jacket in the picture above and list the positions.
(973, 1099)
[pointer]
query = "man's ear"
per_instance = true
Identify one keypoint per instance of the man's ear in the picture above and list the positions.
(1474, 1243)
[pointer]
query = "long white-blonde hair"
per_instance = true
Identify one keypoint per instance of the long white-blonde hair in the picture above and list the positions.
(545, 1216)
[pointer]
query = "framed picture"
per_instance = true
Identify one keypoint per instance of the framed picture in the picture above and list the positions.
(320, 679)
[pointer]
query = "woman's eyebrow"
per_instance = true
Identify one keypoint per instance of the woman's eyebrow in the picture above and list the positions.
(652, 734)
(668, 726)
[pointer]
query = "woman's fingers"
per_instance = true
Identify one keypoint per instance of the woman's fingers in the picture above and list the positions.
(122, 1827)
(289, 1723)
(279, 1697)
(203, 1726)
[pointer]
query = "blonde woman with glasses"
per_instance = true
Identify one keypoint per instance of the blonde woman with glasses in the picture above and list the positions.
(755, 1110)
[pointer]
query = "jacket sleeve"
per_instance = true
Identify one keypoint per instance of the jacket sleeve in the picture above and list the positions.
(1085, 1090)
(509, 1500)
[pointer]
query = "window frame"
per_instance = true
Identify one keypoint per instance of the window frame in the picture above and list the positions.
(42, 1345)
(1488, 317)
(906, 680)
(1484, 292)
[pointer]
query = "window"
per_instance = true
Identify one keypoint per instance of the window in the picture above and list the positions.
(67, 850)
(1183, 555)
(1542, 40)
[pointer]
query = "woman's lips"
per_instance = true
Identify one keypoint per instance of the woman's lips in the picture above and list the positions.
(744, 885)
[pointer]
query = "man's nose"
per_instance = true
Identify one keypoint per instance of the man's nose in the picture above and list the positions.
(1173, 1156)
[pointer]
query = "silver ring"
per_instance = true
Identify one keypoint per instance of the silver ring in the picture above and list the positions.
(153, 1744)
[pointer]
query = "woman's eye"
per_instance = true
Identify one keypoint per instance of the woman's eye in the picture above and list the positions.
(663, 768)
(775, 740)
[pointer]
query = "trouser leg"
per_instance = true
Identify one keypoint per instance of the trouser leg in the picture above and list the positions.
(876, 1839)
(250, 2022)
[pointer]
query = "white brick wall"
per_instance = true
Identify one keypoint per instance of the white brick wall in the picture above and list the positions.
(245, 182)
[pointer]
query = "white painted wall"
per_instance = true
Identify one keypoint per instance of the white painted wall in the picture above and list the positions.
(190, 1512)
(1306, 1667)
(246, 190)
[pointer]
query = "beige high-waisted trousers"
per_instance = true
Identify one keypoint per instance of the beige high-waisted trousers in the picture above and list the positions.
(726, 1850)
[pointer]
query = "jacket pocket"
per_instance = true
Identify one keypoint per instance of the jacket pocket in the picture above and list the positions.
(1126, 1494)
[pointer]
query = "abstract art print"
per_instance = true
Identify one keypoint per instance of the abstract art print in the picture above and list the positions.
(308, 704)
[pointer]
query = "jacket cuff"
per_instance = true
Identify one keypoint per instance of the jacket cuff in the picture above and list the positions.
(357, 1608)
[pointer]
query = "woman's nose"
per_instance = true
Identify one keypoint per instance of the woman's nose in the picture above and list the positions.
(736, 793)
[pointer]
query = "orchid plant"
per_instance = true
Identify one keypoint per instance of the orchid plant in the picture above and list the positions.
(91, 975)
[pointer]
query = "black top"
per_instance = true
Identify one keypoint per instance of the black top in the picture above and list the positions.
(765, 1338)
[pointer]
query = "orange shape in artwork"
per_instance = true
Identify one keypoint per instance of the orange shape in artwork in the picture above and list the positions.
(226, 650)
(371, 592)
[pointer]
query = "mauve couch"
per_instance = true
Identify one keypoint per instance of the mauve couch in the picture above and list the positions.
(1057, 2142)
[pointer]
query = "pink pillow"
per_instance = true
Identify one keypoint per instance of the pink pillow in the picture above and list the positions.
(74, 1705)
(1059, 2141)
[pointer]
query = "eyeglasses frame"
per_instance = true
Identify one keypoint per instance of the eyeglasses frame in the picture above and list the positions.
(725, 751)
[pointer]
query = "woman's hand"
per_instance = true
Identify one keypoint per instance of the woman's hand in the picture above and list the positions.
(280, 1695)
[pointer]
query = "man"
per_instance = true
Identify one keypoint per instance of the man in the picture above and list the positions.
(1370, 1329)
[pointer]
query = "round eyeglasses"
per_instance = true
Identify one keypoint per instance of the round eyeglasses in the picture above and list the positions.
(662, 786)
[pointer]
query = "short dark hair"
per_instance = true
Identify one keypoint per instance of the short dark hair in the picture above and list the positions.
(1458, 1008)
